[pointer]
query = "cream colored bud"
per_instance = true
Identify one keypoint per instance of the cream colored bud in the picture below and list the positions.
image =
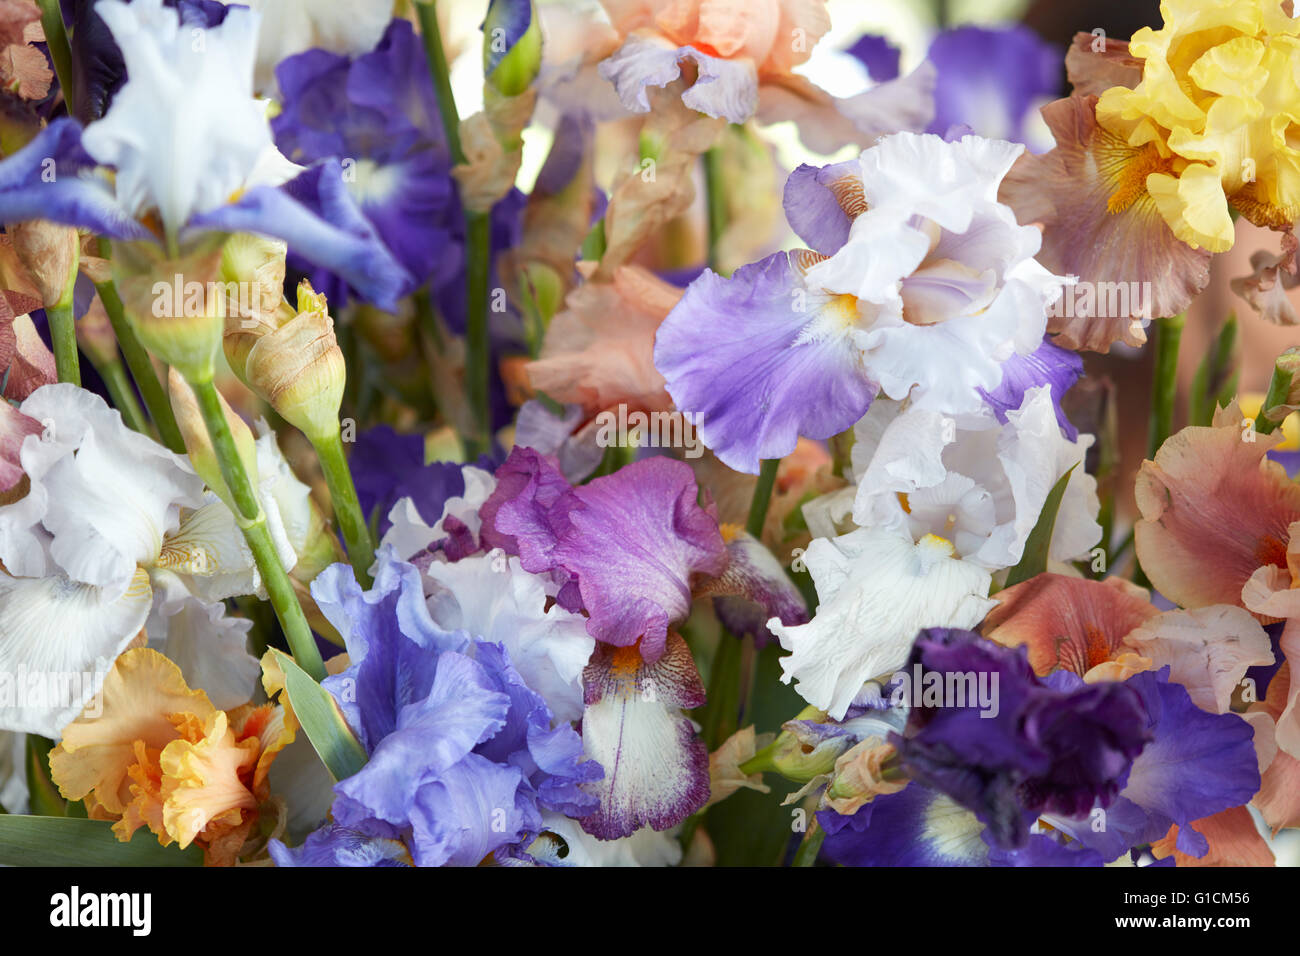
(299, 369)
(50, 253)
(252, 269)
(198, 443)
(176, 306)
(860, 776)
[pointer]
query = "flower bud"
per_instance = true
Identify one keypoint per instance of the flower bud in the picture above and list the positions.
(299, 369)
(176, 306)
(512, 46)
(50, 253)
(861, 775)
(198, 443)
(252, 268)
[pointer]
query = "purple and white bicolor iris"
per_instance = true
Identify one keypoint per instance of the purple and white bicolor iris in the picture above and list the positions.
(917, 283)
(185, 150)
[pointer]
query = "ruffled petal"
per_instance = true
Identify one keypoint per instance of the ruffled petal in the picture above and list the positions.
(1210, 478)
(759, 360)
(657, 769)
(875, 590)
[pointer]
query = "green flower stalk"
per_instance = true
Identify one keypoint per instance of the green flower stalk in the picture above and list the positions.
(298, 368)
(137, 360)
(222, 450)
(177, 309)
(487, 149)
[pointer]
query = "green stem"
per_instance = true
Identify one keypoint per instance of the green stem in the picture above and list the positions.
(716, 195)
(120, 391)
(478, 231)
(437, 55)
(347, 509)
(141, 366)
(1279, 389)
(63, 333)
(762, 497)
(252, 521)
(806, 855)
(1164, 386)
(56, 40)
(478, 241)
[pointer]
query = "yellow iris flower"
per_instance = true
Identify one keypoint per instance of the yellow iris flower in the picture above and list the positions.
(1216, 117)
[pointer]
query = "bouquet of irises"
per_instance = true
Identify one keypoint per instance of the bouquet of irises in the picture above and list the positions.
(657, 457)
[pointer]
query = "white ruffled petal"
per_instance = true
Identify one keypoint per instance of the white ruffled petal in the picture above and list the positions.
(188, 93)
(875, 590)
(58, 641)
(102, 497)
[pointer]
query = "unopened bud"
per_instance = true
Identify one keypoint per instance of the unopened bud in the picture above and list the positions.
(176, 306)
(861, 775)
(198, 443)
(50, 253)
(252, 270)
(512, 46)
(299, 369)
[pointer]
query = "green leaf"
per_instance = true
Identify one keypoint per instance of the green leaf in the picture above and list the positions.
(67, 841)
(1039, 543)
(320, 717)
(44, 795)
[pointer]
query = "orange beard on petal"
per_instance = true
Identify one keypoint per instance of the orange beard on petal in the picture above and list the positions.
(1127, 168)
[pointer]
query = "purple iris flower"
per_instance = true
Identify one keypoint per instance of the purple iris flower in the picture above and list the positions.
(991, 80)
(1038, 749)
(378, 115)
(626, 546)
(922, 827)
(1197, 764)
(463, 755)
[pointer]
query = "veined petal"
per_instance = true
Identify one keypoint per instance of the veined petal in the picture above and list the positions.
(657, 770)
(1067, 622)
(1208, 650)
(58, 639)
(1069, 192)
(761, 360)
(1209, 478)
